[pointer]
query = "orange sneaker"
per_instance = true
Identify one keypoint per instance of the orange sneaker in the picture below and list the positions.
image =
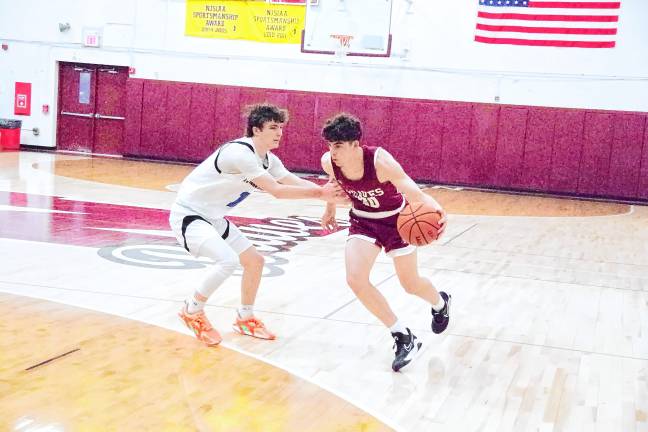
(252, 327)
(200, 325)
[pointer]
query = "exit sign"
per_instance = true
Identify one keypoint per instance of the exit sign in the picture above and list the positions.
(92, 38)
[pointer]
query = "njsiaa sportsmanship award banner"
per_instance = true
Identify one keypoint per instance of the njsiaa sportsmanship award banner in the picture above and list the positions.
(249, 20)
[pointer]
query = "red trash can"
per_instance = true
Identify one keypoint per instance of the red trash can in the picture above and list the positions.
(10, 134)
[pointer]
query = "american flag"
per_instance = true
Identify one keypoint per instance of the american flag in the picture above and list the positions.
(574, 24)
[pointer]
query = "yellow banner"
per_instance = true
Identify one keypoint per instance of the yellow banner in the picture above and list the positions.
(249, 20)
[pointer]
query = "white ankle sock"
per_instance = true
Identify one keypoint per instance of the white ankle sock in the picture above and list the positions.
(194, 305)
(437, 307)
(246, 311)
(398, 327)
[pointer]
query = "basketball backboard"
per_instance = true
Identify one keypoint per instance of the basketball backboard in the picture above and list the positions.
(348, 27)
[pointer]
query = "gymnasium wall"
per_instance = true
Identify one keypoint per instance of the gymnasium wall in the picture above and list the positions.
(568, 151)
(484, 115)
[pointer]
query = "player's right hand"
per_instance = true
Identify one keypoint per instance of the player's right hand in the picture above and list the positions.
(442, 222)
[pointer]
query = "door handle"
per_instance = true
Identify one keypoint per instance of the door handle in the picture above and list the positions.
(107, 117)
(77, 114)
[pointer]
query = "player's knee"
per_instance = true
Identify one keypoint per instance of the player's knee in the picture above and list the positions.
(411, 285)
(357, 281)
(411, 288)
(253, 260)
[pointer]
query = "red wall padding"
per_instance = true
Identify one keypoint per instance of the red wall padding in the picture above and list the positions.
(625, 160)
(178, 122)
(538, 149)
(568, 151)
(455, 143)
(642, 188)
(299, 142)
(402, 136)
(481, 152)
(133, 122)
(202, 124)
(595, 158)
(509, 157)
(424, 158)
(154, 114)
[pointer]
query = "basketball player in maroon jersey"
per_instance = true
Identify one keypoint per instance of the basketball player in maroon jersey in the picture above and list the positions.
(377, 187)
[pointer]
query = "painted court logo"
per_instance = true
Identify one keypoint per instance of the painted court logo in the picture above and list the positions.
(174, 258)
(270, 236)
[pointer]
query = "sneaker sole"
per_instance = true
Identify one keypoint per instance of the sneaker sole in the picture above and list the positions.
(239, 331)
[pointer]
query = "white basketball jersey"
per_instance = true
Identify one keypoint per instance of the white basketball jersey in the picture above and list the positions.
(224, 179)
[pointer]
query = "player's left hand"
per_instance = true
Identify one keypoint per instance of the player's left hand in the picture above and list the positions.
(442, 222)
(442, 213)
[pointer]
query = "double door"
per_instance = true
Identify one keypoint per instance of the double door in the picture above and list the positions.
(92, 108)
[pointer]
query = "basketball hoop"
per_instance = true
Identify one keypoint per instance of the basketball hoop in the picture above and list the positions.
(344, 44)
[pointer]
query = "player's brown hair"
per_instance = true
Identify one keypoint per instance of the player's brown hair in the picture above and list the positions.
(260, 114)
(342, 127)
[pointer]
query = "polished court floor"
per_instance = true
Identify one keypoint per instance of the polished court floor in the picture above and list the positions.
(549, 328)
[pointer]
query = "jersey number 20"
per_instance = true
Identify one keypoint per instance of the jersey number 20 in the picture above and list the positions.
(370, 202)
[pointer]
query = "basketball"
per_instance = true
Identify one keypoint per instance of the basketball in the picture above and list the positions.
(418, 224)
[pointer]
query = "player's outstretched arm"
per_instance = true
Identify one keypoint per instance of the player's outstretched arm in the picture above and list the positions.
(304, 190)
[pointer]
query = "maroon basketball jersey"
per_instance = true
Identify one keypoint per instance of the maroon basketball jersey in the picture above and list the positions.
(368, 194)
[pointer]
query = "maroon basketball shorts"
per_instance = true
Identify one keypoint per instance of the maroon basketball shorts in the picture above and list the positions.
(381, 232)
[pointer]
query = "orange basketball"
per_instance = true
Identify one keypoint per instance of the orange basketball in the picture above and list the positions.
(418, 224)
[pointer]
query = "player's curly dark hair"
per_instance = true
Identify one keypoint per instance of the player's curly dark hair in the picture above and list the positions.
(259, 114)
(342, 127)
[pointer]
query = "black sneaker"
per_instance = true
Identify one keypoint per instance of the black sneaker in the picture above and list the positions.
(441, 319)
(406, 348)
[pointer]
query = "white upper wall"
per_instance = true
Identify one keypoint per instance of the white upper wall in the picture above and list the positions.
(433, 57)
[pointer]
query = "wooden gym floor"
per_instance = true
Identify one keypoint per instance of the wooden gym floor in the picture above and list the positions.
(549, 327)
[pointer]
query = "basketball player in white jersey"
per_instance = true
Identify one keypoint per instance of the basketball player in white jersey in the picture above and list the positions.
(212, 189)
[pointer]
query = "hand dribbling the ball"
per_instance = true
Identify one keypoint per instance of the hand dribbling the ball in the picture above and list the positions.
(442, 221)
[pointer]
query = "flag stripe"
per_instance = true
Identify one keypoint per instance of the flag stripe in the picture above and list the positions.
(548, 11)
(555, 30)
(546, 36)
(535, 17)
(575, 5)
(548, 24)
(553, 43)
